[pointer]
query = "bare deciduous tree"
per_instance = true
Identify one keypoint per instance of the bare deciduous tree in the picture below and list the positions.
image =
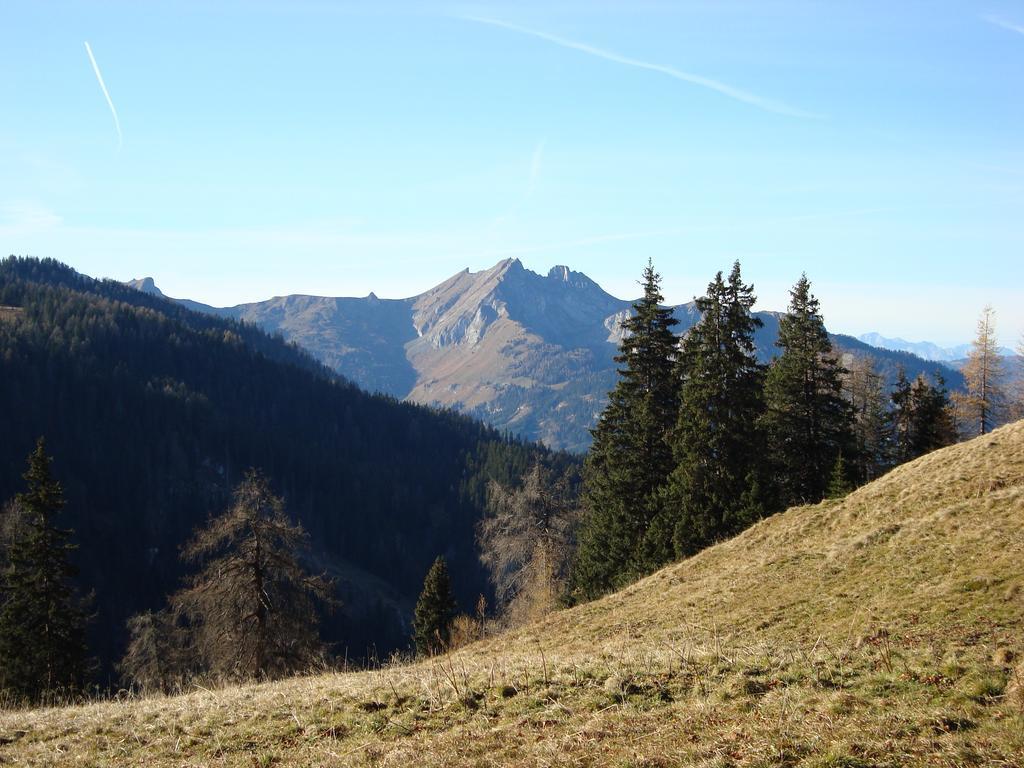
(980, 408)
(251, 609)
(526, 543)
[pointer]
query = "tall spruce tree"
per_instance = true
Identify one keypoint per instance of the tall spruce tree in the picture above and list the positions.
(631, 457)
(715, 489)
(435, 611)
(808, 421)
(42, 621)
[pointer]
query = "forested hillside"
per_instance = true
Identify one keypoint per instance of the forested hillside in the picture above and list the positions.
(154, 412)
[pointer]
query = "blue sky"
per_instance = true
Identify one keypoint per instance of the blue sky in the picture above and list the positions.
(338, 148)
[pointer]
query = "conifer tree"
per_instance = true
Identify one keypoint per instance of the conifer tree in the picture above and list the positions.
(251, 609)
(718, 445)
(933, 423)
(631, 458)
(982, 407)
(435, 611)
(921, 417)
(864, 388)
(839, 481)
(808, 421)
(902, 418)
(42, 621)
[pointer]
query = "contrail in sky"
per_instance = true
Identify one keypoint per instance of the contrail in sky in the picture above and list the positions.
(1019, 29)
(705, 82)
(106, 94)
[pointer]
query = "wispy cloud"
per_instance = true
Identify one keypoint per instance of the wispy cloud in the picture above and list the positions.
(725, 89)
(106, 93)
(1018, 28)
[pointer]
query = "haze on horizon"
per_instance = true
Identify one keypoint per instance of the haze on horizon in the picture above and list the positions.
(244, 150)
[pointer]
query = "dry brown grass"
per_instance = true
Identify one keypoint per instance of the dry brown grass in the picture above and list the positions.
(881, 630)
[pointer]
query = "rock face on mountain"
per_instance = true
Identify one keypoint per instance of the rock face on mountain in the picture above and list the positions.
(145, 285)
(521, 350)
(526, 352)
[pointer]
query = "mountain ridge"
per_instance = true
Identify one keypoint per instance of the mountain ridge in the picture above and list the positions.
(924, 349)
(527, 352)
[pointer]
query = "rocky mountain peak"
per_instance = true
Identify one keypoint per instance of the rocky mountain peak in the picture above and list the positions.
(503, 271)
(145, 285)
(562, 274)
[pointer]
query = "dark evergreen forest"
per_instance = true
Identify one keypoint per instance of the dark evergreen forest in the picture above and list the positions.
(153, 413)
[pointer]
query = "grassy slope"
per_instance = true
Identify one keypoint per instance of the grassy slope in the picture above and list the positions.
(879, 630)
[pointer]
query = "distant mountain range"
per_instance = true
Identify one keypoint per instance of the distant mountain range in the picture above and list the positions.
(525, 352)
(924, 349)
